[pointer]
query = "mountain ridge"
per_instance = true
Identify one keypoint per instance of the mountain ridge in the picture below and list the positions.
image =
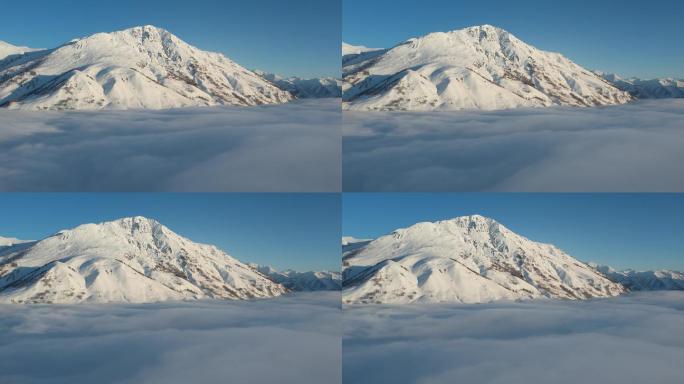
(646, 280)
(468, 259)
(302, 281)
(133, 259)
(139, 67)
(480, 67)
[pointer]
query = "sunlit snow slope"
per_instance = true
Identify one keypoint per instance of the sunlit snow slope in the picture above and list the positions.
(7, 49)
(471, 259)
(481, 67)
(141, 67)
(132, 259)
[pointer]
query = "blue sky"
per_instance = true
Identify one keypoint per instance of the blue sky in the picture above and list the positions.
(640, 231)
(628, 37)
(299, 231)
(293, 37)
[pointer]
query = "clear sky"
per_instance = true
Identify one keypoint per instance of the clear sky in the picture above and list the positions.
(293, 37)
(628, 37)
(298, 231)
(640, 231)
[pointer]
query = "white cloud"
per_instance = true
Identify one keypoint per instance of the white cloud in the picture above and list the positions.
(630, 339)
(633, 147)
(292, 339)
(286, 148)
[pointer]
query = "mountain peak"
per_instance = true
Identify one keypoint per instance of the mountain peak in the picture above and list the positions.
(143, 67)
(479, 67)
(485, 28)
(466, 259)
(132, 259)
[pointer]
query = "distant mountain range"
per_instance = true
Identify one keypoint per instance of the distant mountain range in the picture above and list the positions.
(140, 67)
(664, 88)
(322, 87)
(303, 281)
(644, 280)
(133, 259)
(470, 259)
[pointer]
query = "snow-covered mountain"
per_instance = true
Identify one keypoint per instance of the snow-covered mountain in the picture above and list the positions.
(357, 53)
(7, 49)
(349, 49)
(470, 259)
(644, 280)
(132, 259)
(320, 87)
(664, 88)
(349, 240)
(303, 281)
(10, 241)
(481, 67)
(141, 67)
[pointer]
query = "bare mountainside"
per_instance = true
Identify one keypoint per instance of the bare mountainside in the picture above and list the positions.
(132, 259)
(481, 67)
(470, 259)
(140, 67)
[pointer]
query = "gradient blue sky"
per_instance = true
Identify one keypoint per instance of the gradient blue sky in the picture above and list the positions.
(293, 37)
(628, 37)
(299, 231)
(640, 231)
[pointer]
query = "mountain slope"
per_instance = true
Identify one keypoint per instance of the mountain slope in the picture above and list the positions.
(11, 241)
(303, 281)
(648, 89)
(128, 260)
(644, 280)
(7, 49)
(322, 87)
(141, 67)
(469, 259)
(480, 67)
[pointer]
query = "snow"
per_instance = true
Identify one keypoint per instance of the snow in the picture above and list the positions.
(557, 149)
(630, 339)
(303, 281)
(10, 241)
(349, 49)
(140, 67)
(7, 49)
(293, 147)
(481, 67)
(644, 280)
(291, 339)
(663, 88)
(320, 87)
(468, 259)
(133, 259)
(349, 240)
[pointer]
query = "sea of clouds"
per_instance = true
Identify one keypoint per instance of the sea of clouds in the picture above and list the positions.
(293, 339)
(638, 338)
(291, 147)
(633, 147)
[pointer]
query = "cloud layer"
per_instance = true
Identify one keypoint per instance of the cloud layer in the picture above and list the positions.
(633, 147)
(635, 338)
(286, 148)
(292, 339)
